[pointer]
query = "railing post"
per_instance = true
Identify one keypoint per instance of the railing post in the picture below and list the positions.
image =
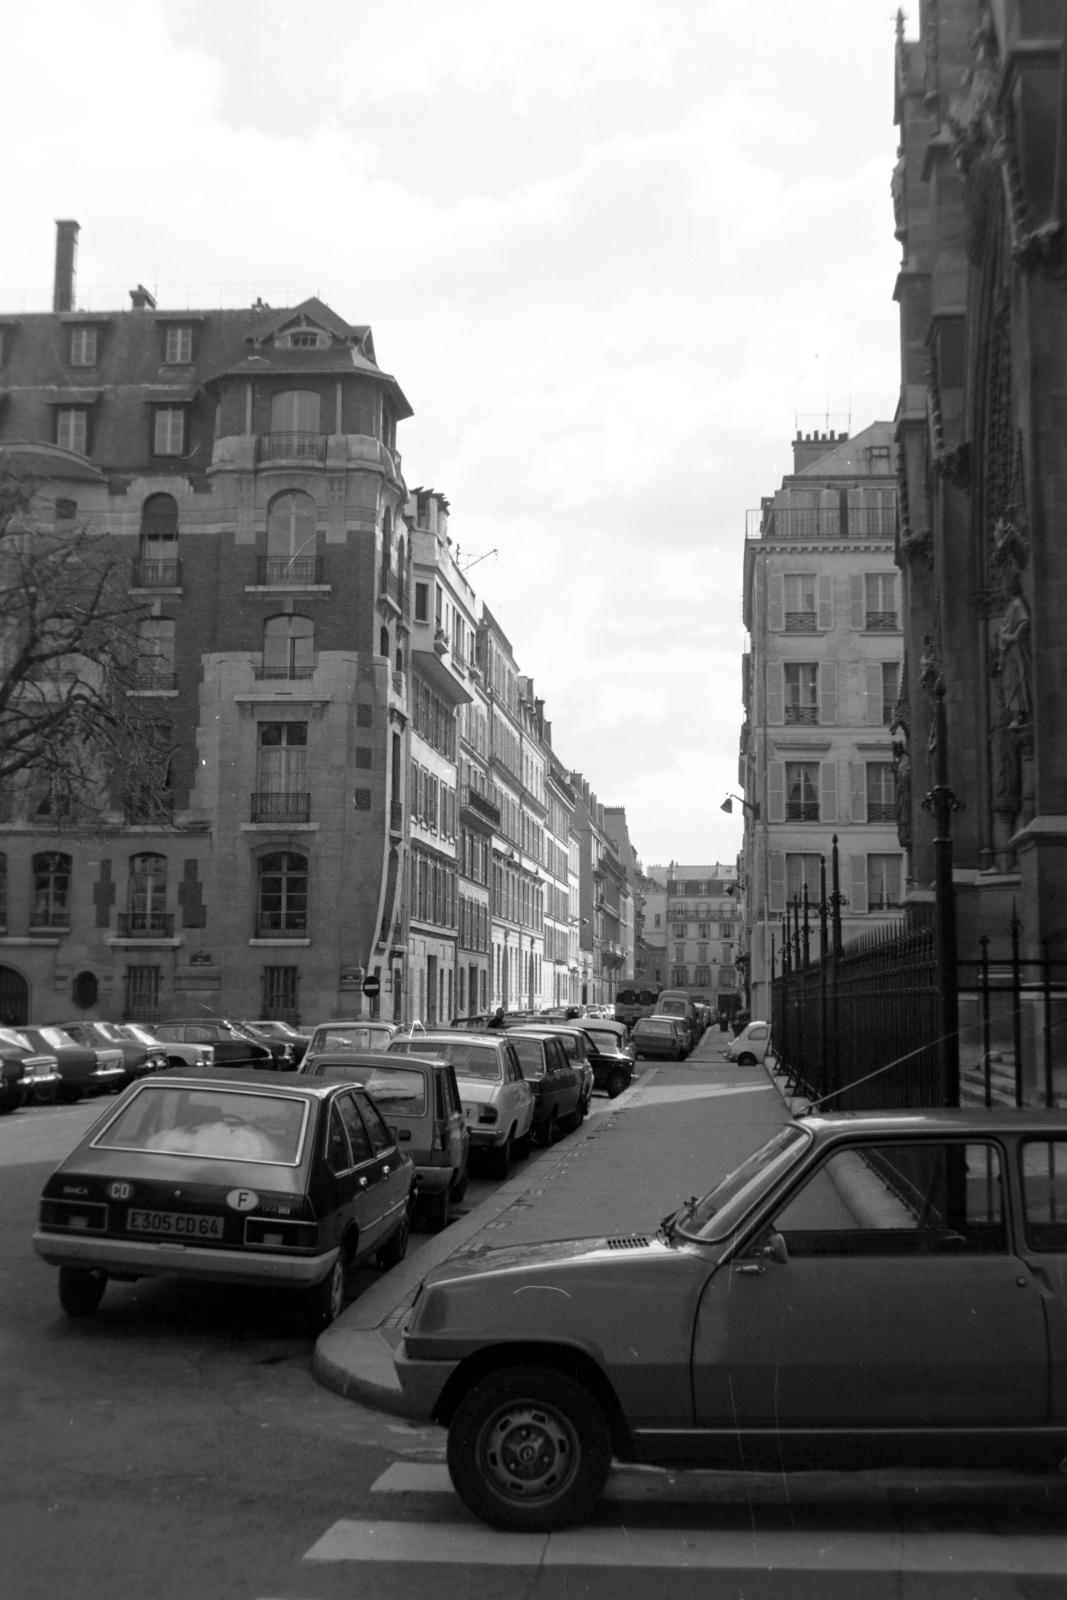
(987, 1069)
(1017, 1004)
(1046, 975)
(942, 802)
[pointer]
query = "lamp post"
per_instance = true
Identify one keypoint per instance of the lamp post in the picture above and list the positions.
(941, 802)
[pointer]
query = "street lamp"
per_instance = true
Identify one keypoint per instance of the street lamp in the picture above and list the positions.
(749, 805)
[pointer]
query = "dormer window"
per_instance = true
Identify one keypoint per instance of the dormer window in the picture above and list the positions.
(179, 350)
(83, 347)
(306, 339)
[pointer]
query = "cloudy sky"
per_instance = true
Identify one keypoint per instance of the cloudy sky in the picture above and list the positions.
(613, 250)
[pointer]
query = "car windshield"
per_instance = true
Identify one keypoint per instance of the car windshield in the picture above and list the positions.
(719, 1212)
(649, 1026)
(608, 1042)
(130, 1030)
(56, 1038)
(355, 1036)
(401, 1090)
(673, 1008)
(109, 1031)
(212, 1123)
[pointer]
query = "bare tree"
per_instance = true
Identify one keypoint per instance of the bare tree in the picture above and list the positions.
(72, 740)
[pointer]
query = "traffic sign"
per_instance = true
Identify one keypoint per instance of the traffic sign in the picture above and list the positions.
(372, 986)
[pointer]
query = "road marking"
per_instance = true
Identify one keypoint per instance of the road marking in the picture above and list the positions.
(669, 1093)
(475, 1545)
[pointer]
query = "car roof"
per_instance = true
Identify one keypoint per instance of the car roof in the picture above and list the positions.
(355, 1022)
(372, 1060)
(240, 1078)
(937, 1119)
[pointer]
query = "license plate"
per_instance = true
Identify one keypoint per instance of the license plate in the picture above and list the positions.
(174, 1224)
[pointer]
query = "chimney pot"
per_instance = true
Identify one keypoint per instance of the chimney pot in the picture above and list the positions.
(66, 258)
(141, 299)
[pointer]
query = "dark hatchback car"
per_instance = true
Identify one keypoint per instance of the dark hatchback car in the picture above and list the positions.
(268, 1031)
(557, 1083)
(83, 1068)
(138, 1059)
(232, 1047)
(612, 1063)
(862, 1291)
(249, 1177)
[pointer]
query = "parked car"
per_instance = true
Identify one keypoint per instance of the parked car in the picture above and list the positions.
(862, 1291)
(660, 1037)
(282, 1033)
(419, 1098)
(601, 1026)
(138, 1058)
(177, 1053)
(498, 1103)
(678, 1003)
(280, 1181)
(751, 1044)
(25, 1073)
(557, 1083)
(229, 1046)
(611, 1061)
(330, 1038)
(83, 1069)
(572, 1036)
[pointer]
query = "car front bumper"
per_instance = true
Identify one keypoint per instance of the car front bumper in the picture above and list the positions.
(145, 1258)
(421, 1381)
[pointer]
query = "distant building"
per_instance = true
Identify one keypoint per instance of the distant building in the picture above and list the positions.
(701, 928)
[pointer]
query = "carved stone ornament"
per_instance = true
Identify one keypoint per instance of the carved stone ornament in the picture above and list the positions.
(1014, 661)
(1044, 250)
(902, 784)
(955, 465)
(919, 546)
(1004, 748)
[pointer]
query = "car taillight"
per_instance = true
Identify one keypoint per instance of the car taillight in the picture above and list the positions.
(487, 1113)
(74, 1214)
(280, 1235)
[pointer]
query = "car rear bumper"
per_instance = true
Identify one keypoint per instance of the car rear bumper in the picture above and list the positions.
(488, 1138)
(431, 1180)
(145, 1258)
(105, 1077)
(421, 1381)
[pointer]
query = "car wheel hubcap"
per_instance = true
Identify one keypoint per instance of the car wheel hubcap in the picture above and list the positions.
(529, 1451)
(337, 1292)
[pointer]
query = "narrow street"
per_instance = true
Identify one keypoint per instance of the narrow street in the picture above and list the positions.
(178, 1445)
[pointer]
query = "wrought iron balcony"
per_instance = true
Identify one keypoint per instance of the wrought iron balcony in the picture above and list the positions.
(801, 622)
(882, 622)
(819, 523)
(275, 926)
(485, 808)
(291, 447)
(161, 679)
(57, 917)
(802, 716)
(287, 671)
(881, 811)
(281, 807)
(137, 924)
(279, 572)
(156, 574)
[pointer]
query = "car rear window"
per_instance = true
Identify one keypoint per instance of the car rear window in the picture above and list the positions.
(19, 1040)
(603, 1041)
(354, 1038)
(648, 1026)
(397, 1090)
(531, 1056)
(673, 1008)
(212, 1123)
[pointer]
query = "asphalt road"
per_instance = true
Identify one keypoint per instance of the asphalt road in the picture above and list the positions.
(176, 1445)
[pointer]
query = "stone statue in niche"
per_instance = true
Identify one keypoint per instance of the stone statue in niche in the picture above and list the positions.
(902, 781)
(896, 189)
(1004, 746)
(1014, 665)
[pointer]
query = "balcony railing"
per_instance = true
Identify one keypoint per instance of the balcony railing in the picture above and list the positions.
(286, 671)
(292, 447)
(802, 716)
(277, 572)
(58, 917)
(133, 924)
(882, 622)
(800, 622)
(156, 574)
(161, 679)
(390, 585)
(881, 811)
(802, 811)
(484, 807)
(280, 808)
(277, 927)
(822, 522)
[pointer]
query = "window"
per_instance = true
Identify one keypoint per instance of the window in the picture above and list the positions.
(800, 607)
(657, 919)
(51, 891)
(679, 930)
(801, 870)
(883, 882)
(1044, 1176)
(83, 347)
(802, 693)
(881, 792)
(169, 435)
(282, 773)
(155, 653)
(157, 564)
(802, 791)
(66, 510)
(702, 930)
(147, 895)
(921, 1199)
(890, 690)
(291, 554)
(179, 349)
(288, 647)
(679, 952)
(294, 411)
(142, 995)
(679, 977)
(72, 428)
(881, 601)
(307, 340)
(422, 602)
(283, 895)
(148, 796)
(702, 977)
(279, 995)
(357, 1133)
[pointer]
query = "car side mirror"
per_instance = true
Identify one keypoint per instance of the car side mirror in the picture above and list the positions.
(776, 1249)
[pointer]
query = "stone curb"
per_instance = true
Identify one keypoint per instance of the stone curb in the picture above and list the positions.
(798, 1105)
(352, 1357)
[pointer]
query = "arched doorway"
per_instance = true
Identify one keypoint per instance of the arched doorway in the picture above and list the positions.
(14, 998)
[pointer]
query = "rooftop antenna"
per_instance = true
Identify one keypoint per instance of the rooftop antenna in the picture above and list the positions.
(476, 559)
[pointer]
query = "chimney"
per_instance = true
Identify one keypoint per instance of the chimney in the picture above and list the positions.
(141, 299)
(808, 448)
(66, 255)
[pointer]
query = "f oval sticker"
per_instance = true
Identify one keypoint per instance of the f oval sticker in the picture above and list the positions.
(242, 1199)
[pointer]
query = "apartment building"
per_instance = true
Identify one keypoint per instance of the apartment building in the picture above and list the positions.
(701, 921)
(821, 680)
(605, 902)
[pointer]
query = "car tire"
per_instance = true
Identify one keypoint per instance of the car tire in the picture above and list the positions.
(68, 1096)
(616, 1083)
(520, 1148)
(500, 1157)
(81, 1290)
(746, 1059)
(548, 1132)
(459, 1187)
(499, 1419)
(395, 1248)
(324, 1302)
(435, 1211)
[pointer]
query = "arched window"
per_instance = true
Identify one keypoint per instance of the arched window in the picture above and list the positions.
(283, 895)
(295, 411)
(147, 894)
(158, 556)
(399, 659)
(291, 539)
(288, 647)
(51, 891)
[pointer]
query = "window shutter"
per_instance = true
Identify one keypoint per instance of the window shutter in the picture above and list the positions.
(775, 693)
(825, 590)
(859, 609)
(858, 776)
(858, 897)
(872, 694)
(776, 873)
(776, 791)
(775, 602)
(828, 791)
(828, 693)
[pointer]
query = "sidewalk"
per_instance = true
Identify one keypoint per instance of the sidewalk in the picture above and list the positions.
(675, 1132)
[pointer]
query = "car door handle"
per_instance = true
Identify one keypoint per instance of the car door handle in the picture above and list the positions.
(386, 1169)
(363, 1183)
(751, 1267)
